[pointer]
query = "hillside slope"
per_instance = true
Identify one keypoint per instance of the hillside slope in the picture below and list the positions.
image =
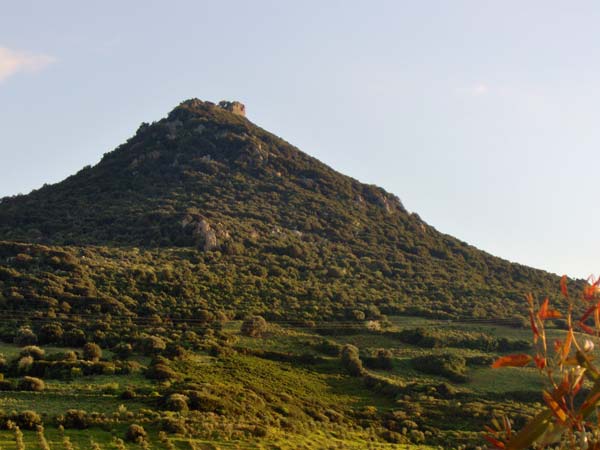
(205, 210)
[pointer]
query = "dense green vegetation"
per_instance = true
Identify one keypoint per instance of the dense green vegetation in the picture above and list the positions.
(205, 209)
(208, 281)
(292, 387)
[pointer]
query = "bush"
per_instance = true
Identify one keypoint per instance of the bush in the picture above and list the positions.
(123, 350)
(174, 351)
(172, 425)
(259, 431)
(74, 337)
(50, 333)
(31, 384)
(25, 337)
(351, 360)
(177, 402)
(7, 385)
(200, 401)
(28, 420)
(393, 437)
(447, 365)
(63, 356)
(76, 418)
(24, 364)
(135, 432)
(160, 372)
(128, 394)
(152, 345)
(329, 348)
(34, 351)
(254, 326)
(92, 352)
(382, 360)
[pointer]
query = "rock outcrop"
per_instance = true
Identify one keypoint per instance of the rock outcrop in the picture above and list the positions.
(234, 107)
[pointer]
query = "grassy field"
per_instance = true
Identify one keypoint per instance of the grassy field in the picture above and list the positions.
(296, 395)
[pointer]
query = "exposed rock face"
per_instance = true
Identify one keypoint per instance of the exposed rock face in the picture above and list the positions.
(203, 232)
(173, 126)
(234, 107)
(151, 156)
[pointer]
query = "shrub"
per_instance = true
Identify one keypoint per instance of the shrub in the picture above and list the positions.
(24, 364)
(382, 360)
(42, 441)
(76, 418)
(74, 337)
(259, 431)
(393, 437)
(28, 420)
(329, 348)
(254, 326)
(351, 360)
(6, 385)
(174, 351)
(128, 394)
(123, 350)
(134, 433)
(160, 372)
(31, 384)
(200, 401)
(25, 337)
(152, 345)
(34, 351)
(172, 425)
(162, 437)
(177, 402)
(447, 365)
(19, 438)
(63, 356)
(92, 352)
(50, 333)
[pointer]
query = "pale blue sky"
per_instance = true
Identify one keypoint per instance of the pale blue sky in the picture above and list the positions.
(482, 116)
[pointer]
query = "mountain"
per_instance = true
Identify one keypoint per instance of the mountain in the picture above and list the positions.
(205, 211)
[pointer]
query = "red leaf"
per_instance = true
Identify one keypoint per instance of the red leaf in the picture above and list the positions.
(546, 313)
(588, 330)
(557, 345)
(543, 308)
(518, 360)
(536, 333)
(591, 401)
(567, 347)
(556, 409)
(529, 298)
(563, 286)
(540, 362)
(495, 442)
(590, 291)
(588, 313)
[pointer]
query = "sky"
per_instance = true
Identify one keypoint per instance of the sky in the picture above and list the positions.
(482, 116)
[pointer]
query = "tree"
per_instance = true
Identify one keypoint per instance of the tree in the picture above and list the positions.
(25, 336)
(31, 384)
(351, 360)
(92, 352)
(50, 333)
(152, 345)
(32, 350)
(384, 359)
(134, 433)
(254, 326)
